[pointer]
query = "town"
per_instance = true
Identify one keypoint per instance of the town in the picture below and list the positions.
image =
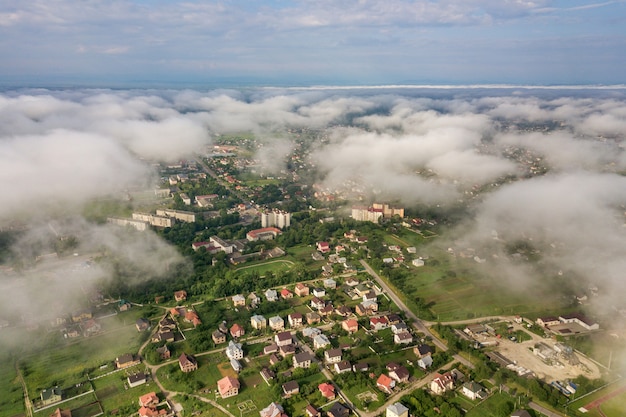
(303, 304)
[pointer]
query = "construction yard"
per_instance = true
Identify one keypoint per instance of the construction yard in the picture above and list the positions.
(546, 358)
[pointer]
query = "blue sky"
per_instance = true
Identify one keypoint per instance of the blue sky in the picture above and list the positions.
(354, 42)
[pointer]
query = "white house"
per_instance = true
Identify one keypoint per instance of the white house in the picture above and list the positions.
(277, 323)
(320, 341)
(234, 350)
(397, 410)
(258, 322)
(271, 295)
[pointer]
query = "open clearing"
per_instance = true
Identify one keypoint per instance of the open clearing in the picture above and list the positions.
(226, 370)
(521, 353)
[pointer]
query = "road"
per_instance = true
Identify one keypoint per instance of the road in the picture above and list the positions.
(544, 410)
(416, 322)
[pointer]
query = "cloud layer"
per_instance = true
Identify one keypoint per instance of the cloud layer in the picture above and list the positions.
(546, 165)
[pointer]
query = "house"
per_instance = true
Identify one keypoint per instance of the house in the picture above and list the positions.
(330, 283)
(350, 325)
(164, 336)
(295, 320)
(548, 321)
(142, 324)
(271, 348)
(317, 304)
(400, 374)
(218, 337)
(327, 390)
(343, 311)
(422, 350)
(312, 317)
(187, 363)
(442, 383)
(473, 390)
(149, 400)
(312, 411)
(320, 341)
(378, 323)
(258, 322)
(417, 262)
(234, 350)
(228, 387)
(398, 327)
(272, 410)
(322, 247)
(361, 367)
(271, 295)
(311, 332)
(301, 290)
(286, 350)
(319, 292)
(62, 413)
(393, 318)
(351, 282)
(274, 359)
(277, 323)
(369, 296)
(326, 311)
(254, 299)
(237, 330)
(425, 361)
(126, 360)
(332, 355)
(397, 410)
(327, 269)
(91, 327)
(338, 410)
(51, 395)
(137, 379)
(283, 338)
(366, 308)
(164, 352)
(239, 300)
(267, 375)
(192, 317)
(290, 388)
(180, 295)
(286, 294)
(234, 363)
(342, 367)
(403, 338)
(124, 305)
(302, 360)
(152, 412)
(385, 383)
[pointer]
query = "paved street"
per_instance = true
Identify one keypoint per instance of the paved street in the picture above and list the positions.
(416, 322)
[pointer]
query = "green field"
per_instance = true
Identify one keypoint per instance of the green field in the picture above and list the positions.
(454, 289)
(613, 407)
(69, 364)
(12, 398)
(262, 268)
(493, 406)
(113, 392)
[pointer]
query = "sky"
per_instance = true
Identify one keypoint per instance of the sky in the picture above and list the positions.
(310, 42)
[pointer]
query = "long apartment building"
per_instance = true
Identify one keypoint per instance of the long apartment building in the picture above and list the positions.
(375, 212)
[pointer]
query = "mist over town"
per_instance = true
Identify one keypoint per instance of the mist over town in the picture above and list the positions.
(518, 191)
(398, 208)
